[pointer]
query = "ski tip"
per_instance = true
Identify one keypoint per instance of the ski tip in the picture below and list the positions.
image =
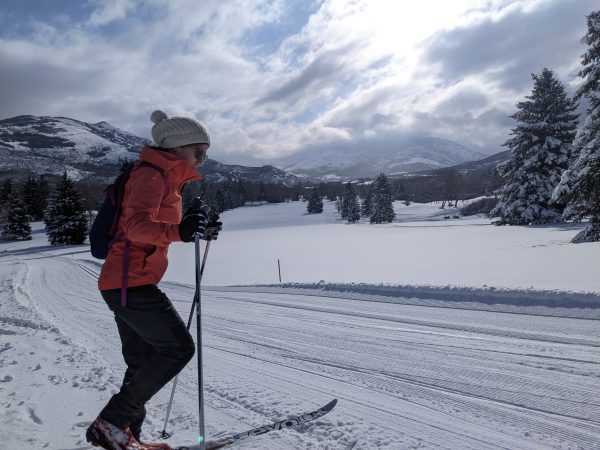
(329, 406)
(351, 445)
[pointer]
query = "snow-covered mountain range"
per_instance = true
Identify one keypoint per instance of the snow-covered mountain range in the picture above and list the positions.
(215, 172)
(481, 166)
(54, 144)
(367, 158)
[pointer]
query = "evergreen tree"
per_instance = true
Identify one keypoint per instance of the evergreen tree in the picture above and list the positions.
(579, 187)
(315, 203)
(28, 195)
(540, 153)
(350, 208)
(65, 216)
(219, 202)
(400, 190)
(242, 192)
(41, 198)
(16, 227)
(342, 206)
(382, 209)
(6, 192)
(367, 205)
(262, 193)
(228, 201)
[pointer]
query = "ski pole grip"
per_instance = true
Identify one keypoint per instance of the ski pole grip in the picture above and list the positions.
(197, 205)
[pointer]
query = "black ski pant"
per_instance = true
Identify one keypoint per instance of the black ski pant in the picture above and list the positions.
(156, 346)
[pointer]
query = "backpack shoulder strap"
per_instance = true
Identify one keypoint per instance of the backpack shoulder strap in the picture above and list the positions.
(149, 164)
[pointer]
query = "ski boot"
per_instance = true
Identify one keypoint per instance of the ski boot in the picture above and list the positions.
(105, 435)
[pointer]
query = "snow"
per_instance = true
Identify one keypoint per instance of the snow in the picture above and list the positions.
(409, 153)
(82, 140)
(417, 160)
(432, 333)
(419, 248)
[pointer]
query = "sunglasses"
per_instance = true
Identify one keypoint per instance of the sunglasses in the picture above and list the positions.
(201, 155)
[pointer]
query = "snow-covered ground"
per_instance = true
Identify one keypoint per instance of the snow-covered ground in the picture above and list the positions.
(432, 333)
(420, 249)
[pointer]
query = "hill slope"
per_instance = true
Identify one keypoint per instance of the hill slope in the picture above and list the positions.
(53, 144)
(406, 153)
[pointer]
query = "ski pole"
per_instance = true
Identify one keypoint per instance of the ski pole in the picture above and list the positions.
(201, 435)
(164, 434)
(197, 203)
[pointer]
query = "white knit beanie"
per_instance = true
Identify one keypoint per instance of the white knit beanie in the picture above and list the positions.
(176, 131)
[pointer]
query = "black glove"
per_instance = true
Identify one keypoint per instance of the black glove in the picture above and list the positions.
(212, 228)
(194, 221)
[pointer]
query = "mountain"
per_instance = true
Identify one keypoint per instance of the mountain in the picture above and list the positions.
(53, 144)
(215, 172)
(484, 166)
(366, 158)
(85, 150)
(96, 150)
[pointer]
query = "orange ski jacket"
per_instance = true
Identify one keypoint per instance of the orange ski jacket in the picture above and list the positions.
(149, 220)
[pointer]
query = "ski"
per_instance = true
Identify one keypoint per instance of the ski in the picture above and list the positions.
(286, 423)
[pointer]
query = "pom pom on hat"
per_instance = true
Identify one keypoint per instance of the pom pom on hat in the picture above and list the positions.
(158, 115)
(177, 131)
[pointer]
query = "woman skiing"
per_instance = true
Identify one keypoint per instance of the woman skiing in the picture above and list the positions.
(156, 344)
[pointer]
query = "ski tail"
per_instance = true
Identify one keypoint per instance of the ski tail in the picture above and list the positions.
(351, 445)
(280, 425)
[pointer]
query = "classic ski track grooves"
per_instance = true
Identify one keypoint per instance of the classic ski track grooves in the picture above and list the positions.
(406, 375)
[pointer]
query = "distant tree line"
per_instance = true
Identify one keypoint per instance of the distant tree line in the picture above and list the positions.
(61, 207)
(233, 193)
(447, 185)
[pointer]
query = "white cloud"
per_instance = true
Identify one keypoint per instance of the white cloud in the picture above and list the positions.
(355, 68)
(109, 11)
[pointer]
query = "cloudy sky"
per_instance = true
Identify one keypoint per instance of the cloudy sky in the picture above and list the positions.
(270, 78)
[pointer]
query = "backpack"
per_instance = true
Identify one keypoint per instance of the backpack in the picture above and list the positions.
(104, 233)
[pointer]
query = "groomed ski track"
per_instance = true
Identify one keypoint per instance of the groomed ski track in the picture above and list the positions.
(408, 373)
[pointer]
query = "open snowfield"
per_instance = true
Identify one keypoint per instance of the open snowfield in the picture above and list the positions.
(431, 333)
(420, 249)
